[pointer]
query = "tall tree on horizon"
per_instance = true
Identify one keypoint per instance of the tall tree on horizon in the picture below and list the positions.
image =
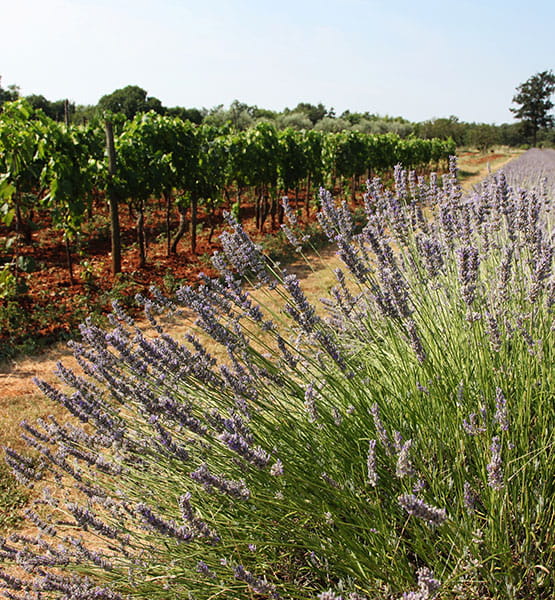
(534, 98)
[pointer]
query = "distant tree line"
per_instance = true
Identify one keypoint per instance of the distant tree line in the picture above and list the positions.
(535, 126)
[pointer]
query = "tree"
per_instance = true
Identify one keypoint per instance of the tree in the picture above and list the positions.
(294, 120)
(534, 98)
(130, 100)
(9, 95)
(239, 115)
(332, 124)
(195, 115)
(444, 128)
(314, 113)
(55, 110)
(482, 136)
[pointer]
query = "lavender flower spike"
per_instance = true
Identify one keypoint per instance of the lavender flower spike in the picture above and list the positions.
(289, 212)
(371, 464)
(495, 466)
(404, 466)
(468, 262)
(418, 508)
(257, 584)
(501, 415)
(210, 482)
(310, 403)
(427, 586)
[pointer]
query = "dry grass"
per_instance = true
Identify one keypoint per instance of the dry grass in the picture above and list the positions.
(475, 165)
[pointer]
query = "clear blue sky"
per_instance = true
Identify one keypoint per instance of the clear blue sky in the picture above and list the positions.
(416, 59)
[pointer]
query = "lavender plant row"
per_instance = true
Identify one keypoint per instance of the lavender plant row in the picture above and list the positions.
(393, 441)
(533, 169)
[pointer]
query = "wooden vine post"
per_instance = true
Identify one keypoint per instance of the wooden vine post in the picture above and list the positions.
(113, 200)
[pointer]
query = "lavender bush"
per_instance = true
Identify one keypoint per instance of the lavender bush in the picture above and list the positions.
(394, 442)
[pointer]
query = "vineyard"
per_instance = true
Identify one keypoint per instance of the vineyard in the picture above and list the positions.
(140, 201)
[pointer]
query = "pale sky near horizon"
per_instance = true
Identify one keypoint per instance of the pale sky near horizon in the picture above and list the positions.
(418, 60)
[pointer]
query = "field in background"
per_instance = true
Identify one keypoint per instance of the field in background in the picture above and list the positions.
(475, 165)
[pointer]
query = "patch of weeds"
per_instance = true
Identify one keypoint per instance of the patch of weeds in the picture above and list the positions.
(12, 498)
(206, 259)
(170, 282)
(24, 331)
(98, 228)
(277, 248)
(14, 323)
(124, 290)
(27, 264)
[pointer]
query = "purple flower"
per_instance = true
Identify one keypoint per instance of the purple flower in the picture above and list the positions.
(87, 519)
(302, 311)
(468, 261)
(256, 456)
(418, 508)
(415, 340)
(352, 260)
(235, 489)
(203, 568)
(380, 429)
(15, 583)
(476, 423)
(492, 329)
(432, 254)
(427, 586)
(495, 466)
(504, 274)
(371, 464)
(289, 212)
(257, 584)
(161, 525)
(470, 497)
(292, 238)
(277, 468)
(541, 272)
(310, 403)
(40, 523)
(403, 467)
(195, 523)
(22, 467)
(243, 254)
